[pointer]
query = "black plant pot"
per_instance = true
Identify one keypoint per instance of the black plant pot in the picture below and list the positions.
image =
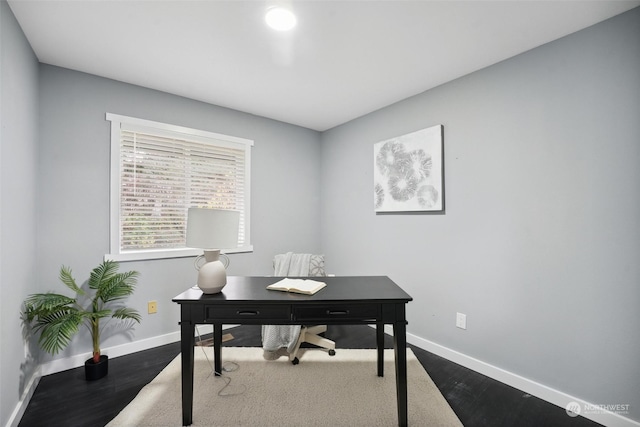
(95, 371)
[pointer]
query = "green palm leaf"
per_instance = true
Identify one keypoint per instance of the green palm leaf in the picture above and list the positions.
(118, 287)
(67, 279)
(99, 314)
(127, 313)
(102, 274)
(57, 318)
(57, 329)
(37, 305)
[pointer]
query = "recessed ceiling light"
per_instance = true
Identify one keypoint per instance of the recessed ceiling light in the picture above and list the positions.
(280, 19)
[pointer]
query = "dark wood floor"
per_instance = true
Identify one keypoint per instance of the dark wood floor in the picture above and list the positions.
(65, 399)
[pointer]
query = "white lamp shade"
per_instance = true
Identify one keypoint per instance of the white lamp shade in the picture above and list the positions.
(212, 228)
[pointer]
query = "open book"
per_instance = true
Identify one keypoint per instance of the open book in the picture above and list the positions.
(299, 286)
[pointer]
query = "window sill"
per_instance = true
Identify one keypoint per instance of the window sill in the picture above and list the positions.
(166, 254)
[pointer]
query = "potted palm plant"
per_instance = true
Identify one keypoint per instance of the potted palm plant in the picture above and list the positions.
(57, 318)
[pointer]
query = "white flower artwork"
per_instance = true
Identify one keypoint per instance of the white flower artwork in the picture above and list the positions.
(408, 172)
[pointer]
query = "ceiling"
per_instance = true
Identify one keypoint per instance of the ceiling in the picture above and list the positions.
(343, 60)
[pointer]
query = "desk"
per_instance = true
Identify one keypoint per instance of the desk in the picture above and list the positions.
(345, 300)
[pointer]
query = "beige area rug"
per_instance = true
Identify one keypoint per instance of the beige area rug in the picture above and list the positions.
(323, 390)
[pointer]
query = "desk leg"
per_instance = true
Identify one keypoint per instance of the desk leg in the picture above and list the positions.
(217, 351)
(380, 347)
(400, 350)
(187, 341)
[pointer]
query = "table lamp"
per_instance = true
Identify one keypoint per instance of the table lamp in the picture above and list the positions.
(212, 230)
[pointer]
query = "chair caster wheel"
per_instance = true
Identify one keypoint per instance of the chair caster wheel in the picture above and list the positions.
(332, 352)
(295, 361)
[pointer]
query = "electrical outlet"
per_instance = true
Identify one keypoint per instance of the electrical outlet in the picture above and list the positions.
(152, 307)
(461, 320)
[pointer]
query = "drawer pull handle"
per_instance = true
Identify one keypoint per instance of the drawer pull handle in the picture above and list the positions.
(337, 312)
(248, 313)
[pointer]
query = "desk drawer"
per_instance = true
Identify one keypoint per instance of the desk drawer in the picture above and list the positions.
(337, 312)
(243, 312)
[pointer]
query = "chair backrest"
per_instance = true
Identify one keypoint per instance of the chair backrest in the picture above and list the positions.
(293, 265)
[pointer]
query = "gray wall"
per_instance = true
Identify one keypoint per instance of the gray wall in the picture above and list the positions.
(18, 177)
(74, 186)
(540, 243)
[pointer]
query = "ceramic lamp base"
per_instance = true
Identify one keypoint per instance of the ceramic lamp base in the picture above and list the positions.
(212, 276)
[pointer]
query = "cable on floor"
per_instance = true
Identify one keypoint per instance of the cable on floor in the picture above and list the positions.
(226, 367)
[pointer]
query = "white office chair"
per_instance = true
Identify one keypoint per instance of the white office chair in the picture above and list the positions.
(299, 265)
(311, 335)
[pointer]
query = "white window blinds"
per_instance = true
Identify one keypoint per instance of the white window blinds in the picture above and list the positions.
(163, 170)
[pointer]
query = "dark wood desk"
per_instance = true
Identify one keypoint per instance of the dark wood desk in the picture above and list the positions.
(345, 300)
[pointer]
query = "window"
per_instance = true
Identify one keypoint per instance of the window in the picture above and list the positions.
(158, 171)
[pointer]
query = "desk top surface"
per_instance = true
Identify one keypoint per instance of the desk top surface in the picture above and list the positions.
(347, 289)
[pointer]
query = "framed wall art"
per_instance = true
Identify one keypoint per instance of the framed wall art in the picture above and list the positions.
(408, 172)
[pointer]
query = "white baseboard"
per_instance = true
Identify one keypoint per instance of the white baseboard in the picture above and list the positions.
(29, 389)
(59, 365)
(556, 397)
(77, 360)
